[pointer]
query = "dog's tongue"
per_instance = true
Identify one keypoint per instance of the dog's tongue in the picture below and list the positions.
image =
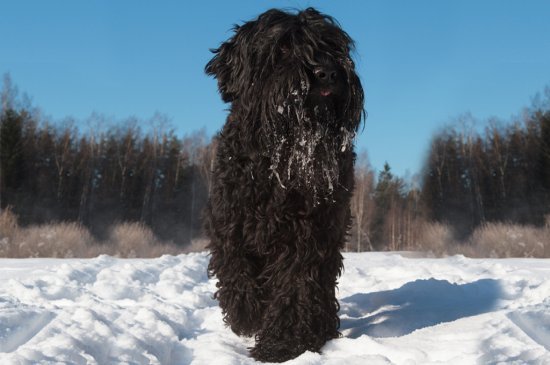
(325, 92)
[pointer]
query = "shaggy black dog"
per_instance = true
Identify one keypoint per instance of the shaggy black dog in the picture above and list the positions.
(283, 178)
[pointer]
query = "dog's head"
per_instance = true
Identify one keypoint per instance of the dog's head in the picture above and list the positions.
(282, 55)
(292, 77)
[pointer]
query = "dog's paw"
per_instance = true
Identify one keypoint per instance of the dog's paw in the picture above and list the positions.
(280, 351)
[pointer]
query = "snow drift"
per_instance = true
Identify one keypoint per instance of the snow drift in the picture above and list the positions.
(394, 310)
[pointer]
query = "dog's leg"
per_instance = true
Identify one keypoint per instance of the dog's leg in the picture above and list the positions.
(302, 311)
(238, 291)
(233, 260)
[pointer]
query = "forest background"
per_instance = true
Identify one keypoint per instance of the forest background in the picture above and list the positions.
(133, 187)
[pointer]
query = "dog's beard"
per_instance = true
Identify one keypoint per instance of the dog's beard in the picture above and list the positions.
(305, 144)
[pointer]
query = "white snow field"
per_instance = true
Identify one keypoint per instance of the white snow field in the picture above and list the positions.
(394, 310)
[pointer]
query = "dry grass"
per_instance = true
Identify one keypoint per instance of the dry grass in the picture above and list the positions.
(8, 223)
(67, 239)
(132, 239)
(197, 245)
(52, 240)
(511, 240)
(435, 238)
(8, 230)
(489, 240)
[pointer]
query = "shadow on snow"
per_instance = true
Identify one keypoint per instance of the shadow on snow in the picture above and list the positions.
(418, 304)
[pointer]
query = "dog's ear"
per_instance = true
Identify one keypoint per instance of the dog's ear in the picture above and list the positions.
(220, 66)
(230, 61)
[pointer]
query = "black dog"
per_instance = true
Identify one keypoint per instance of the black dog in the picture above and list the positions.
(279, 212)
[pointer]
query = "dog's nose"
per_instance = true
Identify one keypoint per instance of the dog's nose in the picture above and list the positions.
(326, 74)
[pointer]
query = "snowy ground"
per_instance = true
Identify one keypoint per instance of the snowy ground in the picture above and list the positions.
(395, 310)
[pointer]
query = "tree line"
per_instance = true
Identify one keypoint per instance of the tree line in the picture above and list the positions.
(500, 175)
(110, 174)
(472, 176)
(117, 172)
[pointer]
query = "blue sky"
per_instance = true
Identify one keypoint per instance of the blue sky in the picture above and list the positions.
(422, 63)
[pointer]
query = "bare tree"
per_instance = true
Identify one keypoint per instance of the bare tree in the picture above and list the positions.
(125, 154)
(362, 206)
(205, 162)
(62, 155)
(159, 124)
(91, 149)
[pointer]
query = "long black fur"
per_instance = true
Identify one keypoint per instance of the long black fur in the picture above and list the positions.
(279, 212)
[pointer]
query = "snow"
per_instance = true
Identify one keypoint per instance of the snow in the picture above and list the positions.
(395, 309)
